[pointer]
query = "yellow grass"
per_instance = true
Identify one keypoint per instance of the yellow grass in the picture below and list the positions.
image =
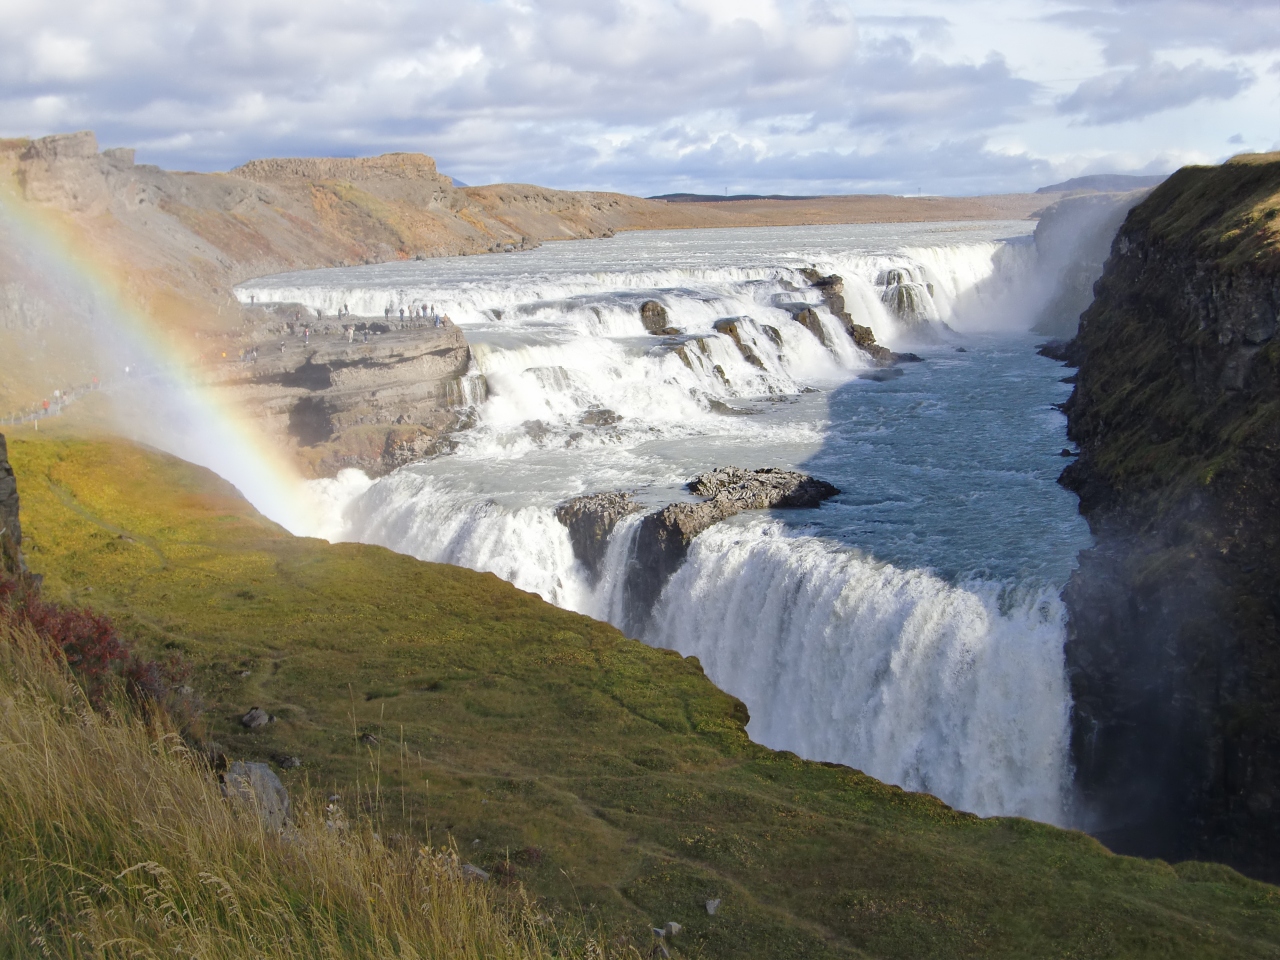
(115, 841)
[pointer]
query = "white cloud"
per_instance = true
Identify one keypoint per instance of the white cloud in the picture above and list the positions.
(644, 95)
(1120, 95)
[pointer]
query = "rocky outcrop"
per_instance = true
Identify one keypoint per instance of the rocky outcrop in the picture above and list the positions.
(349, 403)
(832, 289)
(654, 317)
(731, 327)
(1174, 650)
(664, 537)
(10, 529)
(257, 786)
(590, 521)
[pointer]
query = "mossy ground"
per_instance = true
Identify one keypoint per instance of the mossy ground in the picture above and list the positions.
(615, 778)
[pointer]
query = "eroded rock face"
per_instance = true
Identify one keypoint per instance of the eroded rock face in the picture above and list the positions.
(10, 529)
(832, 289)
(663, 540)
(590, 521)
(1174, 649)
(1073, 239)
(374, 406)
(731, 328)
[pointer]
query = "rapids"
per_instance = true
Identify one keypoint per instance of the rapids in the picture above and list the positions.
(910, 627)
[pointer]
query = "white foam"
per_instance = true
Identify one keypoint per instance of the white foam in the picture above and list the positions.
(956, 691)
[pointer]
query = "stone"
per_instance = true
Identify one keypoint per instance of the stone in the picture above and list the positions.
(368, 739)
(471, 872)
(256, 785)
(590, 520)
(655, 318)
(289, 763)
(663, 539)
(10, 529)
(671, 928)
(713, 907)
(257, 717)
(731, 327)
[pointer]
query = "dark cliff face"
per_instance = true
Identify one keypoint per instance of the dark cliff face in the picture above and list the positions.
(10, 530)
(1174, 656)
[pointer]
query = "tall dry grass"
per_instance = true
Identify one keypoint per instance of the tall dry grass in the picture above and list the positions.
(116, 842)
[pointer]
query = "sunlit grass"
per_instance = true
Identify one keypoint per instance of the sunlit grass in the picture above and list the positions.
(116, 841)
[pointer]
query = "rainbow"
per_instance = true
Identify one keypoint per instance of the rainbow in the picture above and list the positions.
(160, 401)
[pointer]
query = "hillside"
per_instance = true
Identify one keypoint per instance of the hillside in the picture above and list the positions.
(608, 776)
(1175, 653)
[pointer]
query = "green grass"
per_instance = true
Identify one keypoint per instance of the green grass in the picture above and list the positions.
(117, 842)
(614, 778)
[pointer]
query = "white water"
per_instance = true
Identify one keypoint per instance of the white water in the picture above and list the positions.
(911, 626)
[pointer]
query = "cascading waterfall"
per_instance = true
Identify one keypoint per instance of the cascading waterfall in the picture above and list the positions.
(954, 690)
(862, 632)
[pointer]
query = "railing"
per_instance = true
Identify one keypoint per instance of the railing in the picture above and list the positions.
(50, 407)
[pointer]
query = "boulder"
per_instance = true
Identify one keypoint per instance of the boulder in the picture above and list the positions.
(713, 907)
(471, 872)
(255, 718)
(256, 785)
(655, 319)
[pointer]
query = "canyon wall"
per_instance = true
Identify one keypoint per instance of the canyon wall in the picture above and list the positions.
(1174, 652)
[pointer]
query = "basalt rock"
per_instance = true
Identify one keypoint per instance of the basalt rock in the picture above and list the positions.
(832, 289)
(340, 403)
(655, 319)
(590, 521)
(1174, 646)
(663, 540)
(731, 327)
(10, 529)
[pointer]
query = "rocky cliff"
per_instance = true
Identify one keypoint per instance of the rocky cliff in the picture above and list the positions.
(10, 529)
(1174, 653)
(350, 396)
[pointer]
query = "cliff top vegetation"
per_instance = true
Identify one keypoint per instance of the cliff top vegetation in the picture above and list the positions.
(613, 779)
(1230, 212)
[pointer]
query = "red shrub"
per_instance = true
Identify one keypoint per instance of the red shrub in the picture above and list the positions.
(88, 642)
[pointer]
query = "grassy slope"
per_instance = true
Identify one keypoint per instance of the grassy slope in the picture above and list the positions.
(535, 727)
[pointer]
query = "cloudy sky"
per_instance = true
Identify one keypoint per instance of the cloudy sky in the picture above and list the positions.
(654, 96)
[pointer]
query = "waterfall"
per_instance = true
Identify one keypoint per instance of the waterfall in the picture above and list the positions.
(854, 634)
(954, 690)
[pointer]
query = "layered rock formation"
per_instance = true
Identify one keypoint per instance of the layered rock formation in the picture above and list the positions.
(1174, 653)
(664, 536)
(340, 403)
